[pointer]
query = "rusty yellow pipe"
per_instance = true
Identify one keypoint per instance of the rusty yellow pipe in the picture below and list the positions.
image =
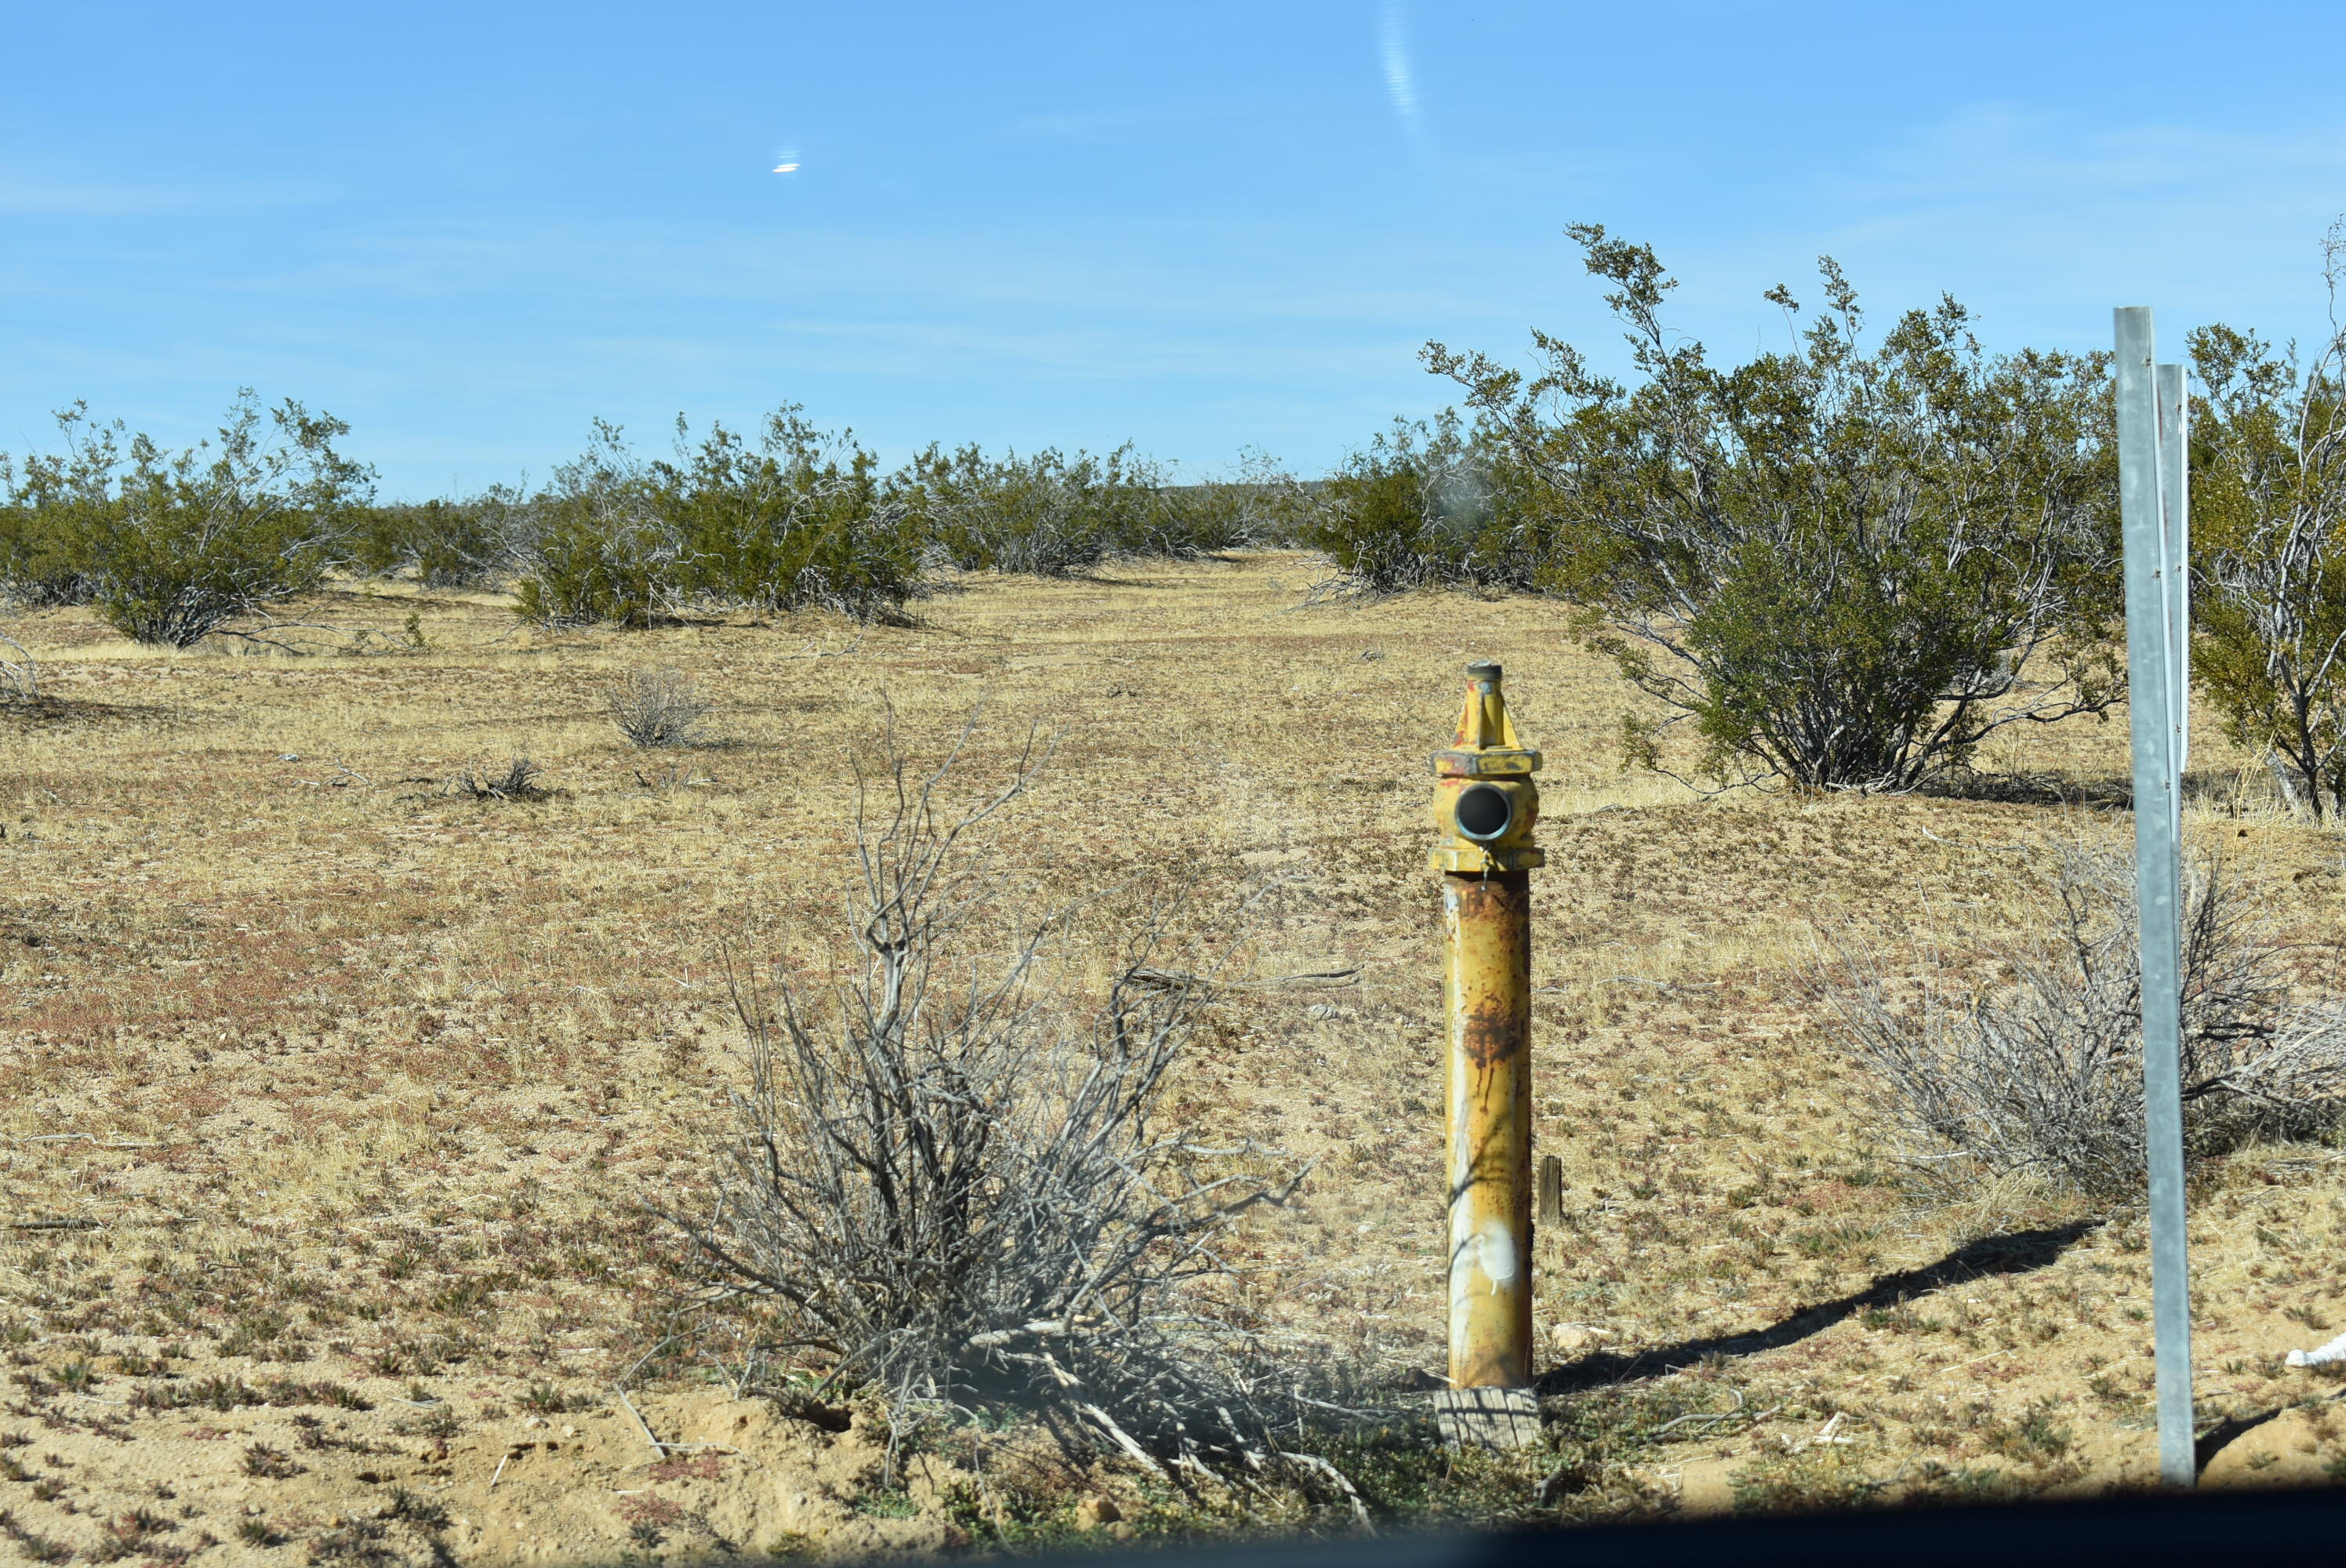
(1488, 985)
(1485, 805)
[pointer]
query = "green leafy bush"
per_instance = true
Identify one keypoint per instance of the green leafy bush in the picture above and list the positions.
(1261, 505)
(38, 563)
(2268, 535)
(799, 519)
(1426, 505)
(600, 547)
(1047, 515)
(174, 549)
(45, 519)
(464, 543)
(1052, 516)
(1847, 568)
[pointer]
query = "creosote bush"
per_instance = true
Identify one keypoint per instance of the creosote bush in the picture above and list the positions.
(2041, 1074)
(470, 542)
(1845, 565)
(1047, 515)
(1424, 505)
(599, 549)
(2269, 532)
(799, 519)
(1051, 515)
(951, 1179)
(174, 548)
(658, 708)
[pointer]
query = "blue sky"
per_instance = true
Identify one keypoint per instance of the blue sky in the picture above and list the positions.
(469, 229)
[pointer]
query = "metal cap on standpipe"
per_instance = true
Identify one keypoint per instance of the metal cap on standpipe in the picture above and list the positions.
(1485, 802)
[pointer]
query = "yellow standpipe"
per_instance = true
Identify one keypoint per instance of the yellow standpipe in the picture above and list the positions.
(1484, 804)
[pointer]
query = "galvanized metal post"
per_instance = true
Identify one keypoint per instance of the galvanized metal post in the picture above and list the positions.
(2157, 629)
(1485, 805)
(2175, 517)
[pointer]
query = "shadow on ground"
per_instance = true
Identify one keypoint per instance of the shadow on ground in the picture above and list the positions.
(2017, 1252)
(2224, 1433)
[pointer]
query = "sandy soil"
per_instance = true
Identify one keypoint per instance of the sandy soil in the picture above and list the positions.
(330, 1086)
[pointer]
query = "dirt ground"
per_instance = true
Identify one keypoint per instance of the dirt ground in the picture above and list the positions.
(337, 1101)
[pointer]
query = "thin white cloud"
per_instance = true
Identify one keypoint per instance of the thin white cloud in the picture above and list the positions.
(1401, 81)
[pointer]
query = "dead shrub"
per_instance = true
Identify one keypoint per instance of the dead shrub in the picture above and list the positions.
(20, 678)
(950, 1178)
(658, 708)
(519, 781)
(2040, 1073)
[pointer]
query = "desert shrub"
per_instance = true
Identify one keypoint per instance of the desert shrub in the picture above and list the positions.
(598, 547)
(519, 781)
(1052, 516)
(1846, 567)
(951, 1177)
(799, 519)
(1047, 515)
(1424, 505)
(1260, 504)
(2041, 1073)
(658, 708)
(174, 549)
(2269, 531)
(466, 543)
(38, 562)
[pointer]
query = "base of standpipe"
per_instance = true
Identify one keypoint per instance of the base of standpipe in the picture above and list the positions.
(1500, 1418)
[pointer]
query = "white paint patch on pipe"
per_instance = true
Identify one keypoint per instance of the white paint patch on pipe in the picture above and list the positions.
(1495, 1248)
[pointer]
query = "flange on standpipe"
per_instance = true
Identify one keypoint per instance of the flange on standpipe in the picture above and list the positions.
(1485, 805)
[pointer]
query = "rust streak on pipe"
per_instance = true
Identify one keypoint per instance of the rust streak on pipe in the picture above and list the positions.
(1487, 953)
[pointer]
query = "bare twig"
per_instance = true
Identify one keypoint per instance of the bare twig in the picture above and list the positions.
(20, 678)
(660, 1449)
(658, 708)
(2042, 1074)
(950, 1178)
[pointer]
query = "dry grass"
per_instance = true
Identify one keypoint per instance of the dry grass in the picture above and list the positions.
(355, 1083)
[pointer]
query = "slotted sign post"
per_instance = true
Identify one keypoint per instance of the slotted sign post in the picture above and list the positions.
(2152, 405)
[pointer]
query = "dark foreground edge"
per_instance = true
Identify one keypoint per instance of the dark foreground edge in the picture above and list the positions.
(2271, 1529)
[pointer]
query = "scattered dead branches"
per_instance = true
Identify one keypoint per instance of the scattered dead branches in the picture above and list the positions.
(950, 1178)
(20, 678)
(519, 781)
(658, 708)
(2042, 1071)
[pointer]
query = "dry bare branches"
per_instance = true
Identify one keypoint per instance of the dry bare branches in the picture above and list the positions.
(2041, 1073)
(950, 1177)
(519, 781)
(20, 678)
(658, 708)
